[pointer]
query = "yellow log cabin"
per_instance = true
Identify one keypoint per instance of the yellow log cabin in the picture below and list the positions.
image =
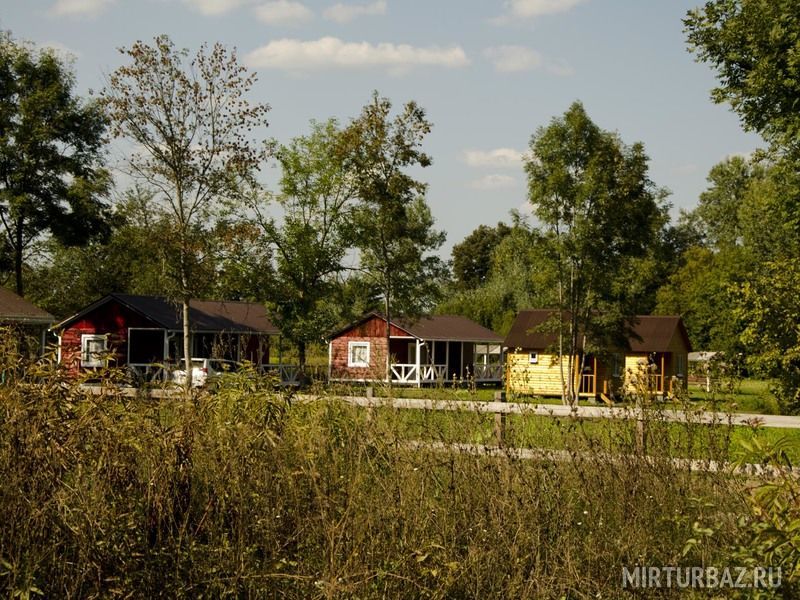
(656, 359)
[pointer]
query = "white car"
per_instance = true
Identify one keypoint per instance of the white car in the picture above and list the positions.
(202, 370)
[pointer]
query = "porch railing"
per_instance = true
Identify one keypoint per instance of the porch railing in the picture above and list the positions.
(434, 372)
(488, 372)
(410, 373)
(587, 384)
(655, 383)
(404, 373)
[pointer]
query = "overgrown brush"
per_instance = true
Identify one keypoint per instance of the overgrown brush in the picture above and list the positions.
(245, 493)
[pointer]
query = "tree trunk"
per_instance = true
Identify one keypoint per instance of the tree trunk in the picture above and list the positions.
(187, 344)
(18, 256)
(388, 340)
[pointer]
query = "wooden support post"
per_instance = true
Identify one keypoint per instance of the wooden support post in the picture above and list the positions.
(500, 421)
(370, 410)
(419, 375)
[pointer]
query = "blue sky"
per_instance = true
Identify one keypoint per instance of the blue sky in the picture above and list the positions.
(488, 72)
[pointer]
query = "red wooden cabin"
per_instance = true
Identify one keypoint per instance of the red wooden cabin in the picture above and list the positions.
(146, 333)
(437, 349)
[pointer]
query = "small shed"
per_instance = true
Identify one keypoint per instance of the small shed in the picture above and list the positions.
(435, 349)
(146, 333)
(657, 348)
(20, 314)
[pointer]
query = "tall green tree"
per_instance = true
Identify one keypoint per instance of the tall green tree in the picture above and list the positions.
(472, 257)
(394, 231)
(520, 275)
(754, 46)
(720, 204)
(52, 178)
(193, 123)
(600, 209)
(313, 235)
(703, 292)
(768, 308)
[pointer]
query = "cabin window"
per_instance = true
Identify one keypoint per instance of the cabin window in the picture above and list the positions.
(358, 354)
(93, 348)
(488, 354)
(533, 358)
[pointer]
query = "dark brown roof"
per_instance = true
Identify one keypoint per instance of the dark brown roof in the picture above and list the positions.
(15, 309)
(204, 315)
(436, 327)
(448, 327)
(531, 329)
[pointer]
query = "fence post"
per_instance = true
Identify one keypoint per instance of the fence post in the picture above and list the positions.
(500, 421)
(369, 394)
(641, 446)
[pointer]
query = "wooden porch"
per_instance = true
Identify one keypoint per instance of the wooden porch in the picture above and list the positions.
(432, 362)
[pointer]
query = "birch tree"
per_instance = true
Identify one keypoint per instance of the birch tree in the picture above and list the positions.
(313, 235)
(191, 125)
(599, 208)
(394, 231)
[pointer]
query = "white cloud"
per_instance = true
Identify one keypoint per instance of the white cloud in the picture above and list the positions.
(212, 8)
(283, 12)
(331, 52)
(559, 67)
(528, 9)
(344, 13)
(497, 158)
(508, 59)
(493, 182)
(79, 8)
(513, 59)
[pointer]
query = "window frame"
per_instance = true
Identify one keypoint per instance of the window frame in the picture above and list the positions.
(86, 359)
(533, 358)
(358, 364)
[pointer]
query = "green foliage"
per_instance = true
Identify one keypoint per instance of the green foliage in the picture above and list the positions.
(192, 121)
(772, 531)
(472, 257)
(51, 174)
(239, 493)
(720, 205)
(769, 309)
(519, 276)
(754, 45)
(702, 291)
(140, 255)
(392, 223)
(600, 210)
(313, 237)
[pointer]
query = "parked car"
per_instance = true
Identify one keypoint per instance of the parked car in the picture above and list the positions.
(204, 370)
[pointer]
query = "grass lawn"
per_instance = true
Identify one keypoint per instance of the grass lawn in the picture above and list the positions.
(749, 396)
(563, 433)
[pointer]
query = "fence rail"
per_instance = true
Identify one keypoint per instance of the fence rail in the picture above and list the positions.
(582, 412)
